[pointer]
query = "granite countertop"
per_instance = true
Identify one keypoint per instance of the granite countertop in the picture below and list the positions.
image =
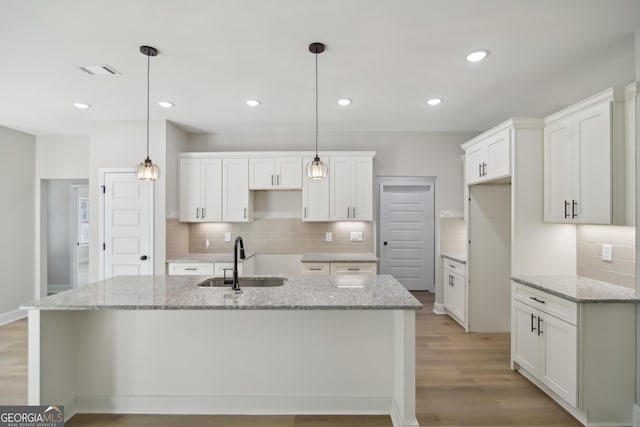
(200, 257)
(456, 257)
(339, 257)
(343, 292)
(579, 289)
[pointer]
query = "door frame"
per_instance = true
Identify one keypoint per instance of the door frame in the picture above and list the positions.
(102, 173)
(381, 180)
(73, 228)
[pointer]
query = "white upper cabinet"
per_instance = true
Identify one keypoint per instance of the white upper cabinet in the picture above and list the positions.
(488, 156)
(583, 148)
(237, 203)
(351, 188)
(271, 173)
(200, 190)
(315, 196)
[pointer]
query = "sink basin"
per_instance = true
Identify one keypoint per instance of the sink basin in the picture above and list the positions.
(245, 282)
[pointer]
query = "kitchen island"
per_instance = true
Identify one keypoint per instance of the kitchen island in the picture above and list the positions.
(161, 344)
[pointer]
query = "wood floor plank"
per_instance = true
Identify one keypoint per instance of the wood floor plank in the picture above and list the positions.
(461, 380)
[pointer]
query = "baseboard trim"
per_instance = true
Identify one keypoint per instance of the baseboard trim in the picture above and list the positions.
(636, 415)
(12, 316)
(398, 420)
(439, 308)
(234, 405)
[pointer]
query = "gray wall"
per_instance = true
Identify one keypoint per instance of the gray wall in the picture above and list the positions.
(17, 245)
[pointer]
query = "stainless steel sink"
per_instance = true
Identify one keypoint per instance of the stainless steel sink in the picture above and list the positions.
(245, 282)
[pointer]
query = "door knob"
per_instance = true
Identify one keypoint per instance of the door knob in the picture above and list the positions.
(385, 243)
(143, 258)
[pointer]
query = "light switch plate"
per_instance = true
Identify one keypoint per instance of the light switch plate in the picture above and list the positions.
(607, 253)
(227, 236)
(356, 236)
(328, 236)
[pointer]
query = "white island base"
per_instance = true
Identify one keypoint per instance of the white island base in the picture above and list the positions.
(224, 361)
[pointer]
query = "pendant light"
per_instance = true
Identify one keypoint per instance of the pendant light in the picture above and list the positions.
(147, 171)
(316, 169)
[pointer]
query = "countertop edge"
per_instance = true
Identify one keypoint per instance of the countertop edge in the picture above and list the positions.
(454, 258)
(572, 298)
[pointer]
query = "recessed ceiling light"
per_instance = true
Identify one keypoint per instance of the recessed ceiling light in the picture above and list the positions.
(253, 102)
(165, 104)
(344, 101)
(434, 101)
(81, 105)
(477, 56)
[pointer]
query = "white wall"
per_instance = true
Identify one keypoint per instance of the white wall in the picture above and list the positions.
(397, 154)
(637, 409)
(56, 157)
(17, 188)
(122, 144)
(177, 142)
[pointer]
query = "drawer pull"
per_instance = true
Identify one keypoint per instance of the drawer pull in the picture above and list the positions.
(533, 328)
(353, 269)
(190, 268)
(541, 301)
(315, 269)
(539, 329)
(452, 266)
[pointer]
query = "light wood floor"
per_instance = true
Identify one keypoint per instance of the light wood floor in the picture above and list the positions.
(462, 380)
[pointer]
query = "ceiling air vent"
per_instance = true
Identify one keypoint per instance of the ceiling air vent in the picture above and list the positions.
(96, 70)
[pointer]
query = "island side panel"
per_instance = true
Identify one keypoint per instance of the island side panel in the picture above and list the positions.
(52, 359)
(404, 369)
(237, 361)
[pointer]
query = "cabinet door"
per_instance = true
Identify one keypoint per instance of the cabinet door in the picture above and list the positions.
(558, 171)
(211, 190)
(499, 155)
(458, 297)
(362, 189)
(447, 297)
(262, 174)
(340, 185)
(353, 268)
(559, 363)
(235, 190)
(315, 197)
(474, 160)
(525, 345)
(190, 190)
(592, 170)
(289, 173)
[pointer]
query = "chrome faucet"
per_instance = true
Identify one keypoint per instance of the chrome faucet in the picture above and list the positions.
(235, 285)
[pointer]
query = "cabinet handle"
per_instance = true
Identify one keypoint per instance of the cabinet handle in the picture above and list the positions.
(452, 266)
(348, 212)
(450, 280)
(353, 269)
(566, 206)
(204, 212)
(539, 328)
(315, 269)
(272, 180)
(484, 169)
(245, 212)
(190, 269)
(354, 212)
(574, 204)
(305, 212)
(278, 179)
(533, 328)
(541, 301)
(479, 170)
(197, 212)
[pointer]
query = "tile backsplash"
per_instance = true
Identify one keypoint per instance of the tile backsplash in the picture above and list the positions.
(622, 269)
(270, 236)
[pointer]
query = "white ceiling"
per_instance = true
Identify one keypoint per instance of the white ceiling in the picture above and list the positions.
(389, 56)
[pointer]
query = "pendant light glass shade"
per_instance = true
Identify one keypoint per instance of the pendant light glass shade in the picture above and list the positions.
(316, 169)
(147, 171)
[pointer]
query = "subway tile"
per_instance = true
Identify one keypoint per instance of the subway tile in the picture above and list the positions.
(624, 252)
(628, 281)
(599, 274)
(623, 266)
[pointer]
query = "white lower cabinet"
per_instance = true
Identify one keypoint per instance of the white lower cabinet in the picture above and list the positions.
(190, 269)
(322, 268)
(580, 354)
(455, 293)
(339, 268)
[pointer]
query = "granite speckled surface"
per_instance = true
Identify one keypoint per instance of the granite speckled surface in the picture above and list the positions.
(343, 292)
(456, 257)
(579, 289)
(195, 258)
(339, 257)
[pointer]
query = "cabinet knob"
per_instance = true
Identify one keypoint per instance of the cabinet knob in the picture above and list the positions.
(143, 258)
(385, 243)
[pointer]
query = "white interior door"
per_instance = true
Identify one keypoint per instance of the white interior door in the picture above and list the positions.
(128, 225)
(407, 233)
(80, 235)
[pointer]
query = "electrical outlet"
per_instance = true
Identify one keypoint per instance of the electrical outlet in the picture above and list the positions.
(356, 236)
(607, 253)
(227, 236)
(328, 236)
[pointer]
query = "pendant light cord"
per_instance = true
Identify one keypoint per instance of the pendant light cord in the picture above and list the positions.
(316, 104)
(148, 74)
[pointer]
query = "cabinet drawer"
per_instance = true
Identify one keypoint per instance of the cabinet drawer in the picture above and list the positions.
(454, 266)
(353, 268)
(315, 268)
(220, 267)
(555, 306)
(190, 269)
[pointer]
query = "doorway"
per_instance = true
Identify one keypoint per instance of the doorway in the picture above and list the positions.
(406, 230)
(126, 224)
